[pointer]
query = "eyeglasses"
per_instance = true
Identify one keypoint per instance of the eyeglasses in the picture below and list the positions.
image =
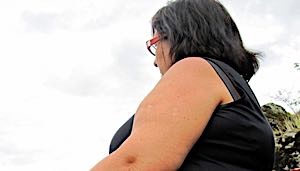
(151, 45)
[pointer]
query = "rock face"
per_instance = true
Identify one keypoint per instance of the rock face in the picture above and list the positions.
(286, 128)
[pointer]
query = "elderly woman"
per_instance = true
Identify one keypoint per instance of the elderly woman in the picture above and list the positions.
(202, 114)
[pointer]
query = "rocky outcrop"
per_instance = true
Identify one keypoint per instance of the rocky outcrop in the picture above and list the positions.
(286, 128)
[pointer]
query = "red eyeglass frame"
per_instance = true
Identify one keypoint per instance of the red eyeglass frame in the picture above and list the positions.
(151, 42)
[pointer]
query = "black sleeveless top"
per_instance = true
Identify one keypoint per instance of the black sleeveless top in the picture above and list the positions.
(237, 138)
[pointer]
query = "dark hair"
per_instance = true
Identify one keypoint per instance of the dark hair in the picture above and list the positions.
(204, 28)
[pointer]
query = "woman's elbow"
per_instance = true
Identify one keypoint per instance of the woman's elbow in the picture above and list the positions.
(116, 162)
(133, 163)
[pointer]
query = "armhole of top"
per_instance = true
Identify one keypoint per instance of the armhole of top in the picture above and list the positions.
(121, 135)
(232, 90)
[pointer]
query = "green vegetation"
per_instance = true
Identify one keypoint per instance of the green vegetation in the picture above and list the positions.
(286, 128)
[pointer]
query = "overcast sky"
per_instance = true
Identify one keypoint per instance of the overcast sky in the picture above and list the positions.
(72, 72)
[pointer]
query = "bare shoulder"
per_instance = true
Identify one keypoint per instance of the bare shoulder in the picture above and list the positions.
(192, 65)
(192, 61)
(172, 116)
(189, 83)
(193, 74)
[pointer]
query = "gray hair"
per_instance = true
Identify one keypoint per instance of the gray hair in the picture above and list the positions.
(204, 28)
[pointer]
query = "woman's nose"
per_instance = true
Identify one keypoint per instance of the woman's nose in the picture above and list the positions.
(155, 64)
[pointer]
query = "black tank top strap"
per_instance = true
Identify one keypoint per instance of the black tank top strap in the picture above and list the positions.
(235, 95)
(236, 79)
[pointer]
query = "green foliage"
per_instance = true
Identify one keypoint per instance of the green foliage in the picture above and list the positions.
(286, 128)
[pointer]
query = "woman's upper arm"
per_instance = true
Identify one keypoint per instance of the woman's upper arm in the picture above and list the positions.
(172, 116)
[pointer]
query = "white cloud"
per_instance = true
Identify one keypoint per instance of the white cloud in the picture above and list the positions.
(279, 72)
(62, 99)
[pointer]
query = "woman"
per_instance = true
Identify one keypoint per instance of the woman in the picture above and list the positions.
(201, 115)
